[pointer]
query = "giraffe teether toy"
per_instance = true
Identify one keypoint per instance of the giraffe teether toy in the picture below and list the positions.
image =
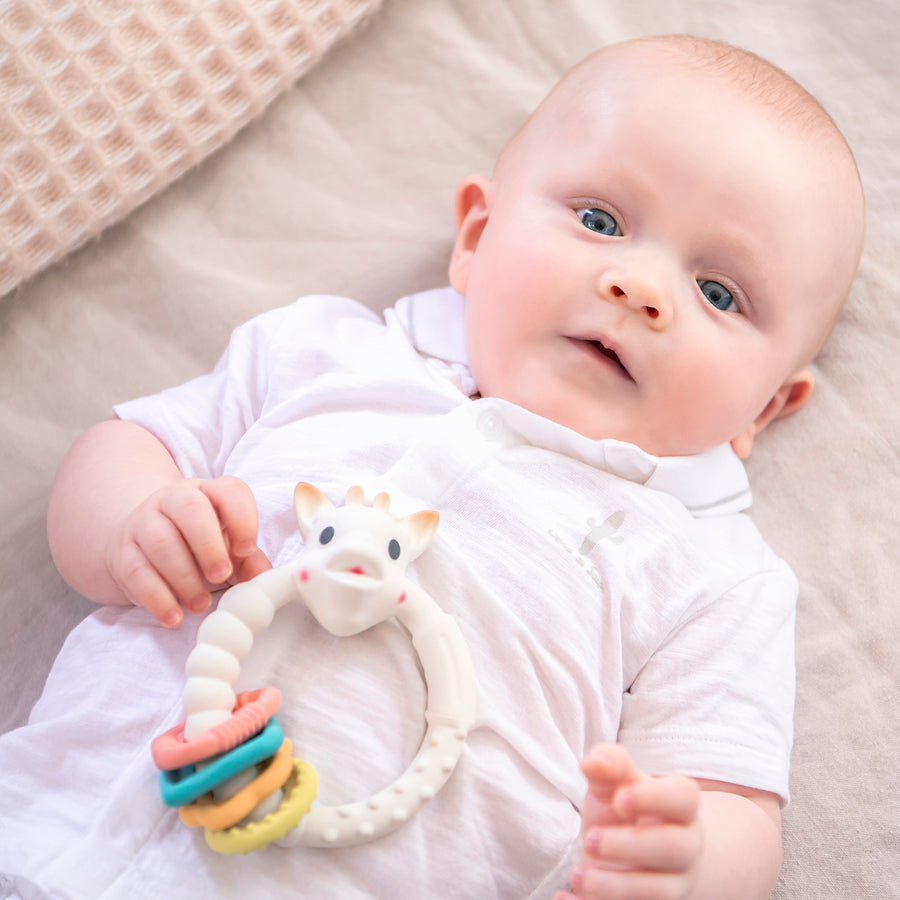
(228, 765)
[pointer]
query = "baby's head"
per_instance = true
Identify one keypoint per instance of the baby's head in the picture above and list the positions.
(663, 248)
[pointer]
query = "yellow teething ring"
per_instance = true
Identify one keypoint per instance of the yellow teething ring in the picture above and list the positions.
(299, 793)
(217, 815)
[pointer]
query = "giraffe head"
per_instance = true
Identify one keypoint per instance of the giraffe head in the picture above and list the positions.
(352, 571)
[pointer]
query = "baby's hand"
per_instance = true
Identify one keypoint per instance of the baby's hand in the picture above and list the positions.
(184, 541)
(641, 836)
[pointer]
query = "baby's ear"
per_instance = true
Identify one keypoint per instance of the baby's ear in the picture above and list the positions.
(473, 201)
(787, 399)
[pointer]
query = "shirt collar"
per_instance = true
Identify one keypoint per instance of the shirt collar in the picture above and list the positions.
(435, 321)
(711, 483)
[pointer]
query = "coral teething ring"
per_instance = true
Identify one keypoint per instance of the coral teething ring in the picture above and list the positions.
(351, 575)
(252, 709)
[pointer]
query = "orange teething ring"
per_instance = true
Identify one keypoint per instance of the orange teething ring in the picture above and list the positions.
(225, 813)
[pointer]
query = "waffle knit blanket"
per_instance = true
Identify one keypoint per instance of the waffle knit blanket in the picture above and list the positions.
(104, 102)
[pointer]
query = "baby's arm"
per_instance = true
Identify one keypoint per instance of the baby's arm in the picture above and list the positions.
(125, 526)
(672, 838)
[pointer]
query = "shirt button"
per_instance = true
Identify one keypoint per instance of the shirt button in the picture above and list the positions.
(490, 426)
(493, 428)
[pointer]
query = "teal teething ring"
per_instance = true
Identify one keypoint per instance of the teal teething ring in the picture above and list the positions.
(184, 785)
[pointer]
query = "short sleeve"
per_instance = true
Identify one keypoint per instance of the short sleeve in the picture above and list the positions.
(716, 700)
(273, 356)
(200, 421)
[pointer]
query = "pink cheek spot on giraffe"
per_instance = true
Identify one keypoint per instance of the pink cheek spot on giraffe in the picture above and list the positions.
(303, 575)
(402, 597)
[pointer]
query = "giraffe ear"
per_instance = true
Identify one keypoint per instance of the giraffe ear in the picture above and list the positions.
(309, 502)
(420, 527)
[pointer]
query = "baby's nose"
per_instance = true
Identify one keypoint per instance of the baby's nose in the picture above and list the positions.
(642, 293)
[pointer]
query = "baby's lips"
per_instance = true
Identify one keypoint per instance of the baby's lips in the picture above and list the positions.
(608, 349)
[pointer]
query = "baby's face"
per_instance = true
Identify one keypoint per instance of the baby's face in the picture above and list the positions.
(650, 270)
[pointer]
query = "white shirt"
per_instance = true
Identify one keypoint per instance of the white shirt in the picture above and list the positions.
(605, 595)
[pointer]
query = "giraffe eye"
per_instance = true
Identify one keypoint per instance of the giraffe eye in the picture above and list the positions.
(326, 535)
(394, 549)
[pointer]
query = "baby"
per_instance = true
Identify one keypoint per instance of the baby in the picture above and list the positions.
(637, 291)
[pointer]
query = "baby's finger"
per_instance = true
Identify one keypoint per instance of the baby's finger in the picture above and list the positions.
(598, 884)
(195, 518)
(659, 848)
(142, 586)
(236, 508)
(673, 798)
(167, 552)
(250, 566)
(607, 768)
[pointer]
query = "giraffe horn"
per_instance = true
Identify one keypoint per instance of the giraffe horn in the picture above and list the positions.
(355, 496)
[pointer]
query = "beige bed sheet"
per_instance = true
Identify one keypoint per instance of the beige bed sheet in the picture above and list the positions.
(345, 186)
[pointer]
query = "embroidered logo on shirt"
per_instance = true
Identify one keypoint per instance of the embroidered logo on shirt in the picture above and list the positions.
(606, 530)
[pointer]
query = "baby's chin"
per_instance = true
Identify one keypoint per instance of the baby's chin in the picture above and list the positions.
(585, 417)
(653, 442)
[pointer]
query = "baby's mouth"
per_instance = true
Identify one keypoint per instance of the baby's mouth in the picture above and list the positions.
(600, 349)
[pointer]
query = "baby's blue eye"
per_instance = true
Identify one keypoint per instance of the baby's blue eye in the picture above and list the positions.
(718, 295)
(598, 220)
